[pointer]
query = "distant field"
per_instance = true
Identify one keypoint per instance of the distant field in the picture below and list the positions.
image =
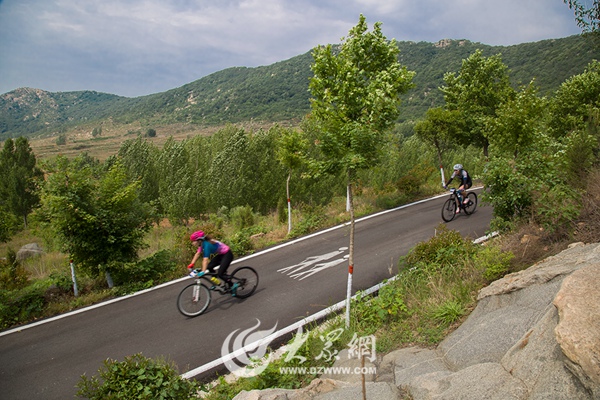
(80, 140)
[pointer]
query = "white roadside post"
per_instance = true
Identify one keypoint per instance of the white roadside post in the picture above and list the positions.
(75, 291)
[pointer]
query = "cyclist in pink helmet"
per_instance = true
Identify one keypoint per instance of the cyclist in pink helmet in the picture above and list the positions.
(213, 253)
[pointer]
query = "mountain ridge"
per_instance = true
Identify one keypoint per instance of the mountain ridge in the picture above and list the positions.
(279, 92)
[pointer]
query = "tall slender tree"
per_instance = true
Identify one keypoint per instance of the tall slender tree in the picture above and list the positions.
(19, 186)
(291, 148)
(355, 91)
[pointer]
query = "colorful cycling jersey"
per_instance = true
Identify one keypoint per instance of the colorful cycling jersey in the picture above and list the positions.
(465, 178)
(209, 248)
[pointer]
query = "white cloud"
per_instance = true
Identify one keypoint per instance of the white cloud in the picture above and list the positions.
(136, 47)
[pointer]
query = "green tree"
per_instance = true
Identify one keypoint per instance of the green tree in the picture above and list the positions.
(476, 91)
(519, 121)
(576, 103)
(176, 182)
(95, 214)
(261, 158)
(355, 92)
(139, 157)
(587, 14)
(437, 129)
(232, 177)
(19, 186)
(291, 150)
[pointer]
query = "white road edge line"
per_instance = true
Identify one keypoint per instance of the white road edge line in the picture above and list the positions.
(321, 314)
(105, 303)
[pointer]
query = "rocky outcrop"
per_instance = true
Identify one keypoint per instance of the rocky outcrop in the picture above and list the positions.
(534, 334)
(29, 250)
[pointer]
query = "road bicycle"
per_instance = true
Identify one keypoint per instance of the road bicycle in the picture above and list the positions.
(449, 208)
(195, 298)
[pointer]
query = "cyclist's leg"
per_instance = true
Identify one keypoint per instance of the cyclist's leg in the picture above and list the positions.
(465, 188)
(463, 192)
(224, 261)
(214, 262)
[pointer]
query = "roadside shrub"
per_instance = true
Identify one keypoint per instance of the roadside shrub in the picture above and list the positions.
(440, 251)
(62, 280)
(240, 243)
(494, 262)
(282, 213)
(153, 268)
(137, 377)
(370, 313)
(242, 217)
(312, 220)
(12, 273)
(392, 200)
(21, 305)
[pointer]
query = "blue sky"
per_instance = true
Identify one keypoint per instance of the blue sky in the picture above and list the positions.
(138, 47)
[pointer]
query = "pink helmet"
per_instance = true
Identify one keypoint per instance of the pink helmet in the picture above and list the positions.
(198, 235)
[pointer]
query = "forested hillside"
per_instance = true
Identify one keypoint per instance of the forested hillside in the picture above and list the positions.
(279, 92)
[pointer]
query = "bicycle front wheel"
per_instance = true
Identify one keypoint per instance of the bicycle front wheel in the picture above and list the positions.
(193, 299)
(471, 204)
(449, 210)
(246, 279)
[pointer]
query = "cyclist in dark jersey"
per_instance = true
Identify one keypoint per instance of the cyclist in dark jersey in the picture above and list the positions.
(465, 183)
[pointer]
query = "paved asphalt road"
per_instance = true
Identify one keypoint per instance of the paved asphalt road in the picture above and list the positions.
(305, 276)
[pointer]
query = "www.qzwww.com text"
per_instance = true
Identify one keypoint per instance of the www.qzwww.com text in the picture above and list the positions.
(327, 370)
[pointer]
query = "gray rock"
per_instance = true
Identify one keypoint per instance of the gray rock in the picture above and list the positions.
(29, 250)
(534, 335)
(412, 362)
(578, 329)
(488, 381)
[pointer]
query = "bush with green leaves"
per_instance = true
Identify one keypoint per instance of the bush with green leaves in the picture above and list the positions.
(493, 262)
(441, 250)
(22, 305)
(12, 273)
(242, 217)
(372, 312)
(240, 242)
(151, 269)
(8, 224)
(137, 377)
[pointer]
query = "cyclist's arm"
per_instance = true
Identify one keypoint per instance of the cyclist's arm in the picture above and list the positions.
(204, 264)
(194, 259)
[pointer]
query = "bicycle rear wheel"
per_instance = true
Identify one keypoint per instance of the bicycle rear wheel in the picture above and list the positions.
(193, 299)
(472, 204)
(449, 210)
(246, 279)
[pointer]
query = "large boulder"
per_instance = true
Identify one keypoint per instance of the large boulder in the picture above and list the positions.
(534, 334)
(29, 250)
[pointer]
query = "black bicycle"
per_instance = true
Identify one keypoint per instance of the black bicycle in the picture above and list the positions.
(195, 298)
(449, 208)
